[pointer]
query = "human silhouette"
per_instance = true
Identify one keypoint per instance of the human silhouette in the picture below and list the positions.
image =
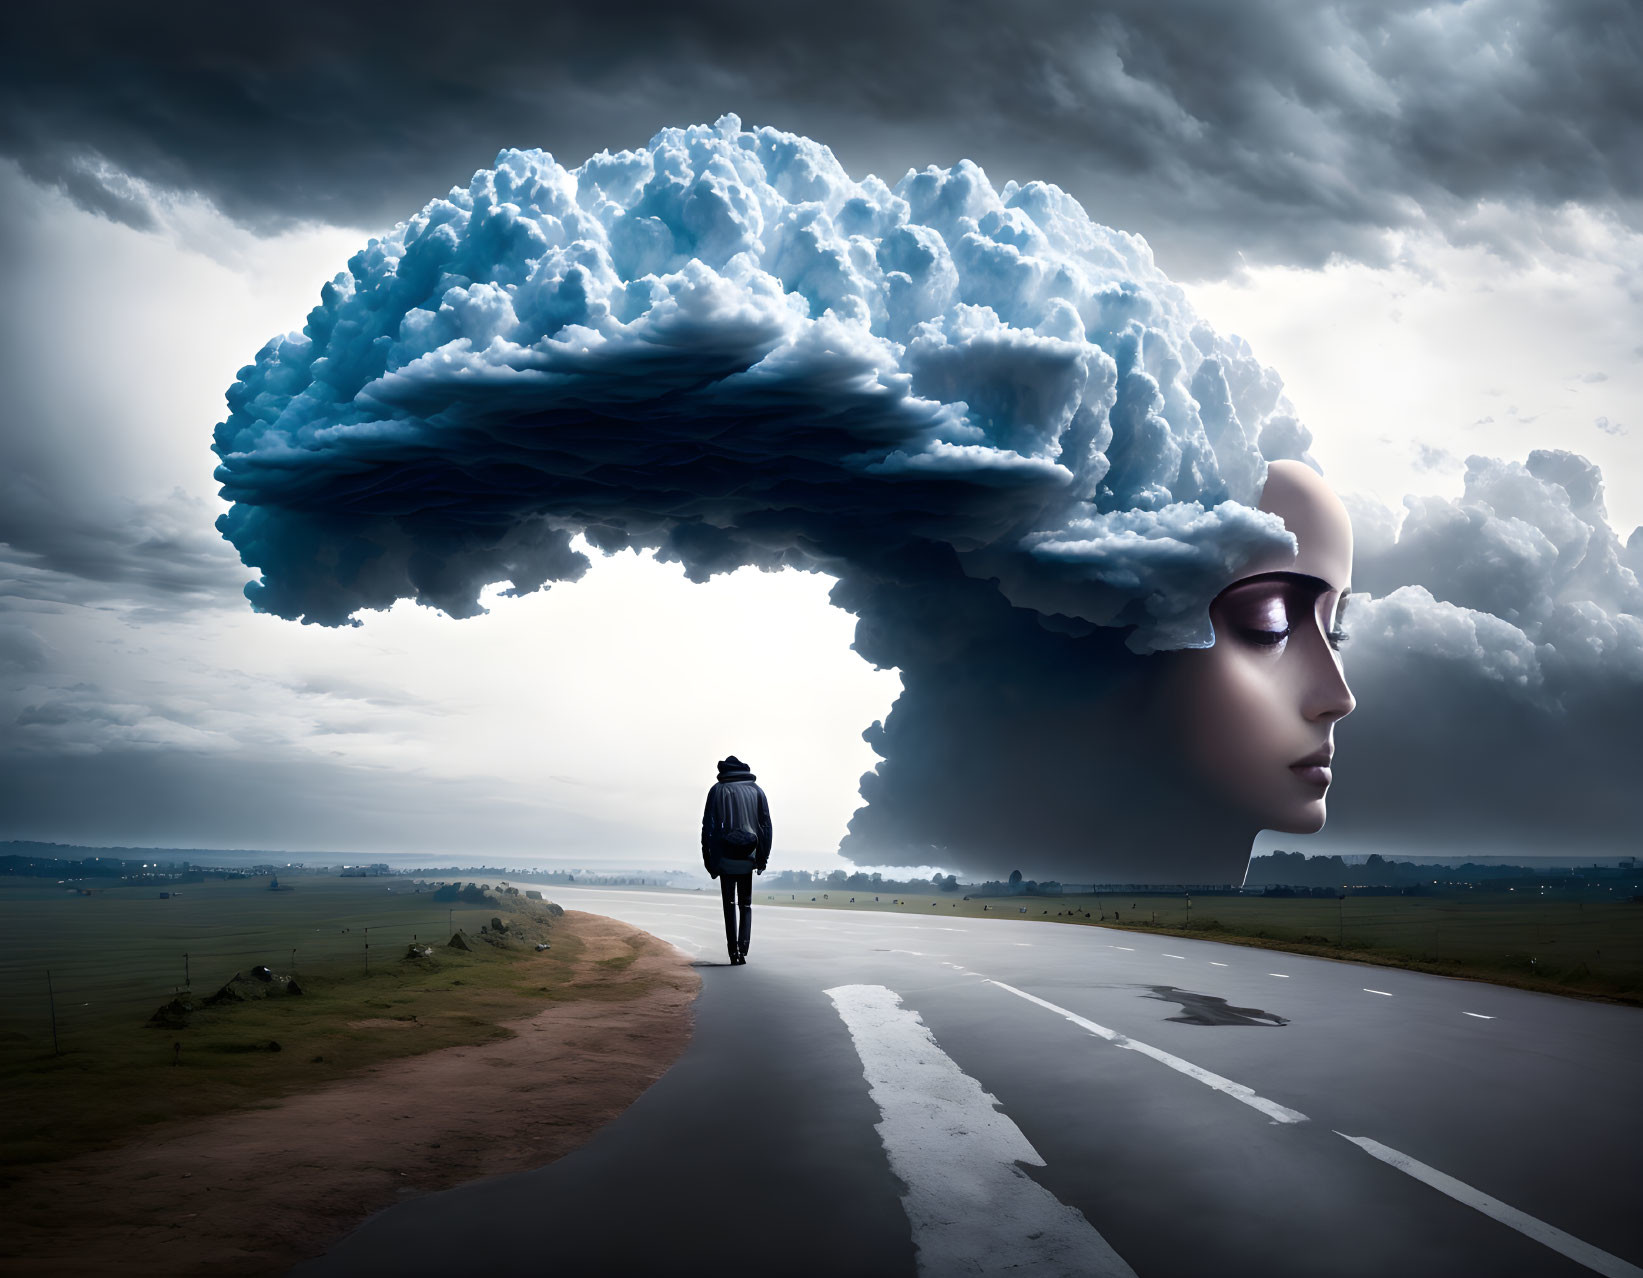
(736, 835)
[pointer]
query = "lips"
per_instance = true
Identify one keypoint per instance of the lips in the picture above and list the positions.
(1314, 769)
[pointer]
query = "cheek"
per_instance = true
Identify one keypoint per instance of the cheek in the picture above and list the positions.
(1234, 710)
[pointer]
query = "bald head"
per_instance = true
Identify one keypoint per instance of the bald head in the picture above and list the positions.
(1299, 496)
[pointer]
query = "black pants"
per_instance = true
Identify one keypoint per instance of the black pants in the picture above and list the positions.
(734, 888)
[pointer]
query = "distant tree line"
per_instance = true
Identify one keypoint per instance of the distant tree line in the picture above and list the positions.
(1297, 870)
(1018, 886)
(105, 867)
(843, 881)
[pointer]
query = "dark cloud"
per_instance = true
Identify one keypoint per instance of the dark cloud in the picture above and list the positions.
(162, 554)
(21, 650)
(1264, 131)
(85, 515)
(1444, 755)
(1499, 672)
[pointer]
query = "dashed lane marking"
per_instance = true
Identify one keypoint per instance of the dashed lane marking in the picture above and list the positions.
(1479, 1015)
(1282, 976)
(1276, 1112)
(1382, 993)
(1213, 963)
(972, 1209)
(1179, 956)
(1582, 1253)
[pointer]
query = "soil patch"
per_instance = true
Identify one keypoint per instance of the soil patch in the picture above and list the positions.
(255, 1191)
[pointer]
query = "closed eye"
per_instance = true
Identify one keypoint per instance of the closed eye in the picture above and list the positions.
(1267, 638)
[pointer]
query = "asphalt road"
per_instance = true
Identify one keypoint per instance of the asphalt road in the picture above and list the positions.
(893, 1094)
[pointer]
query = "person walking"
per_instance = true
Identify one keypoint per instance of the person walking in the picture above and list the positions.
(736, 836)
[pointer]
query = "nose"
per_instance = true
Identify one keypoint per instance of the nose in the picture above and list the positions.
(1326, 697)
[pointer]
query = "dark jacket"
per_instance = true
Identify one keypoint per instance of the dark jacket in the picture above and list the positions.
(735, 803)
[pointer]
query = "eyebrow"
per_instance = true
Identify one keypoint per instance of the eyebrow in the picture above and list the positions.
(1298, 578)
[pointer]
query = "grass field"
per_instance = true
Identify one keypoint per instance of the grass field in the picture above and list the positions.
(116, 956)
(1586, 948)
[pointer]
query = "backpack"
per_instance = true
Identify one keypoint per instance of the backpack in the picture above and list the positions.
(738, 839)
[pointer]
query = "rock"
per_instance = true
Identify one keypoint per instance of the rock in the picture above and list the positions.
(172, 1015)
(497, 925)
(459, 941)
(554, 911)
(415, 951)
(542, 945)
(262, 982)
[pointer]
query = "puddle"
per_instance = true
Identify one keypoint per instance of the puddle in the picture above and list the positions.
(1206, 1009)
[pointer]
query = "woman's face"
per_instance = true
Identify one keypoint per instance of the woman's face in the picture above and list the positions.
(1254, 715)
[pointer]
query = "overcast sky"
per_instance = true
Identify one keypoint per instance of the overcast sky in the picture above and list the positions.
(1427, 219)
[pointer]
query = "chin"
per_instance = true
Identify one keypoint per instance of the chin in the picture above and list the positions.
(1309, 820)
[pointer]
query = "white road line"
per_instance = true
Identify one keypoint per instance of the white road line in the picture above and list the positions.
(1582, 1253)
(916, 953)
(1276, 1112)
(1479, 1015)
(1282, 976)
(973, 1210)
(1382, 993)
(1179, 956)
(1130, 948)
(1213, 963)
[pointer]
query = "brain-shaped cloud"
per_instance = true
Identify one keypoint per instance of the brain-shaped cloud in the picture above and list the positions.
(724, 347)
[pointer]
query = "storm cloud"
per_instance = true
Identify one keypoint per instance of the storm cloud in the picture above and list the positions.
(1268, 131)
(992, 419)
(724, 347)
(1498, 667)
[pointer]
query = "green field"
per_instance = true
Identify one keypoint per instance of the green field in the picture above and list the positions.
(123, 951)
(1587, 948)
(116, 956)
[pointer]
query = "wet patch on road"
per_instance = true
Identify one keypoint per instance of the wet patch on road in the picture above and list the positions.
(1206, 1009)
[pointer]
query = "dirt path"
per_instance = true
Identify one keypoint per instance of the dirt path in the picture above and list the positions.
(255, 1191)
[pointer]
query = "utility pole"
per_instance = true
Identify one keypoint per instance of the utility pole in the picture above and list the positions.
(51, 994)
(187, 983)
(367, 951)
